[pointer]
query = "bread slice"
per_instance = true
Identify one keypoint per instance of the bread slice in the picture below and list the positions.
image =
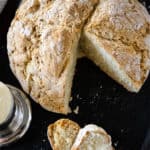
(92, 137)
(62, 134)
(65, 134)
(42, 48)
(117, 38)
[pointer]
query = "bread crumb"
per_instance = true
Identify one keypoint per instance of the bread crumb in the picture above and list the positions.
(78, 96)
(122, 130)
(76, 110)
(116, 143)
(44, 140)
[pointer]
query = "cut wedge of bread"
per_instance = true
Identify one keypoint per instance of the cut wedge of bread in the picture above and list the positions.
(117, 39)
(92, 137)
(42, 48)
(62, 134)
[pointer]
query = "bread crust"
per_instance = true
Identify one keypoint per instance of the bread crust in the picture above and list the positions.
(62, 134)
(42, 47)
(121, 29)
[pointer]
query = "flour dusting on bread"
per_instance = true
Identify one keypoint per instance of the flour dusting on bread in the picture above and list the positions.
(115, 39)
(42, 48)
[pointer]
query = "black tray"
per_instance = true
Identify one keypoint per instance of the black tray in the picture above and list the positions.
(124, 115)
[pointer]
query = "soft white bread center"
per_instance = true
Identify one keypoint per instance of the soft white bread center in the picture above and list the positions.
(6, 102)
(92, 137)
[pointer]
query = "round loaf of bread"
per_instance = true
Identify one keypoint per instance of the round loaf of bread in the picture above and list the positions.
(42, 48)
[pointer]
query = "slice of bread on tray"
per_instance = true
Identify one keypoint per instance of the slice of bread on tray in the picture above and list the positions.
(62, 134)
(92, 137)
(65, 134)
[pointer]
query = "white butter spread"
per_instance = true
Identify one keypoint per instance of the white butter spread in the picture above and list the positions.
(6, 102)
(99, 139)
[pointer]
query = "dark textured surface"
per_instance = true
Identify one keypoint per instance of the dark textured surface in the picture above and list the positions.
(124, 115)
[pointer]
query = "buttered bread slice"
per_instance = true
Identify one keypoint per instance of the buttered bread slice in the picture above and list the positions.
(117, 39)
(92, 137)
(42, 48)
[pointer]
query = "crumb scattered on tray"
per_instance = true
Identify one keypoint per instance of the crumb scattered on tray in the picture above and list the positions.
(76, 110)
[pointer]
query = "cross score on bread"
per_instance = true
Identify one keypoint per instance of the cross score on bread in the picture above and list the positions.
(45, 34)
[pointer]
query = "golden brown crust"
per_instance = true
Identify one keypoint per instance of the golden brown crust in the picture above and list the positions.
(62, 134)
(42, 43)
(121, 28)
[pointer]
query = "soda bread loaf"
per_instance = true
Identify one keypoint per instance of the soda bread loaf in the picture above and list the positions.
(44, 37)
(65, 134)
(62, 134)
(42, 48)
(117, 39)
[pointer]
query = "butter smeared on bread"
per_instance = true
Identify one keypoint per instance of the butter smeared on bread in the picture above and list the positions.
(92, 137)
(116, 38)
